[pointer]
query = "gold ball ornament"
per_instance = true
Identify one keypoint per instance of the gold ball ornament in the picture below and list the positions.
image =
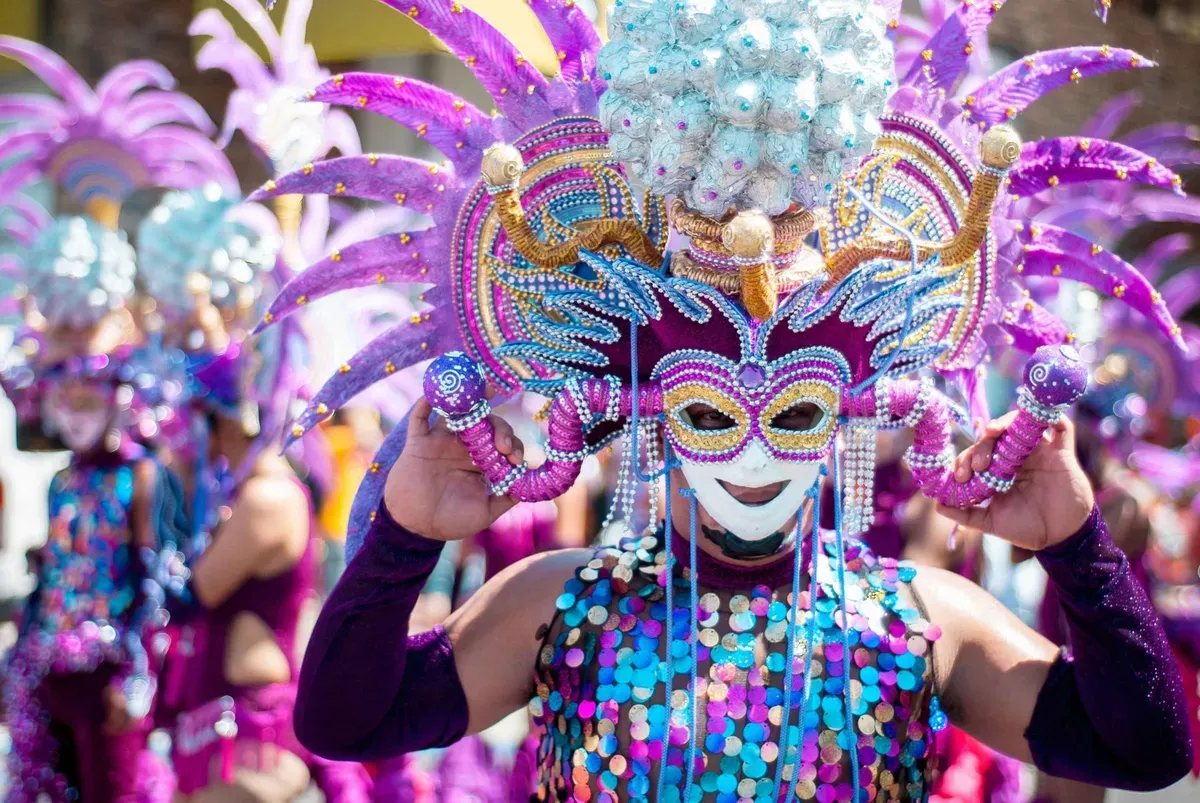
(1000, 147)
(750, 235)
(502, 165)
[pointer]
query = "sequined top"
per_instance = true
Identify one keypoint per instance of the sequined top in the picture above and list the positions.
(605, 693)
(86, 573)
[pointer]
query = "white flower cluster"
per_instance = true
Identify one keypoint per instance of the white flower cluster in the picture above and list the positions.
(77, 271)
(744, 103)
(190, 235)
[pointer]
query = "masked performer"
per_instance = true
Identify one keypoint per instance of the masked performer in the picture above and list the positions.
(80, 683)
(742, 653)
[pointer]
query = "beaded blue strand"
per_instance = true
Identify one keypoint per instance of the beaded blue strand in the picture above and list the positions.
(811, 636)
(694, 602)
(788, 680)
(668, 681)
(841, 573)
(910, 302)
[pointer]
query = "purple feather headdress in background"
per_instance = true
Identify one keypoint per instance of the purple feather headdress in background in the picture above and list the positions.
(268, 103)
(1052, 181)
(100, 145)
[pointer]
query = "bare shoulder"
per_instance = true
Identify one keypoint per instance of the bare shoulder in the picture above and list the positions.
(272, 494)
(527, 588)
(273, 512)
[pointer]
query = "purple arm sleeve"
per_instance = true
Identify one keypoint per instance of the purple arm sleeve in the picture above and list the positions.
(1112, 713)
(368, 690)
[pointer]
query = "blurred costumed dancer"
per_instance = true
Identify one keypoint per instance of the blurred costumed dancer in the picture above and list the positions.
(80, 683)
(808, 666)
(211, 260)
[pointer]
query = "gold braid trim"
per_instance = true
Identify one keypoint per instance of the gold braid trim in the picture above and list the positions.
(806, 268)
(999, 149)
(593, 235)
(790, 228)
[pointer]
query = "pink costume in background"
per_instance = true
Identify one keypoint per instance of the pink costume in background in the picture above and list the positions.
(99, 595)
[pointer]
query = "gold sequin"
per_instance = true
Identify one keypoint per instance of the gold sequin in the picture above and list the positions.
(717, 691)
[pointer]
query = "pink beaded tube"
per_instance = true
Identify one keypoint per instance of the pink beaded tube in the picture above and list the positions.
(1054, 378)
(454, 387)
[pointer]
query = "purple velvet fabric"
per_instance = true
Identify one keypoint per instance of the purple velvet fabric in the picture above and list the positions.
(1113, 712)
(369, 691)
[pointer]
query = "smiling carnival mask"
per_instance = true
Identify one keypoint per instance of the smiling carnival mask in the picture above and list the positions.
(741, 428)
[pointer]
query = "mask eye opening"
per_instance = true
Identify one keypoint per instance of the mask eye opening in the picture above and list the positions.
(800, 418)
(704, 418)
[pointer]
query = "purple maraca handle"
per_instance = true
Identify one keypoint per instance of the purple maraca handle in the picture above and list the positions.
(1055, 377)
(455, 387)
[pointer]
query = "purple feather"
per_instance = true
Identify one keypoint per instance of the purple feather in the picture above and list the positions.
(1105, 123)
(1173, 143)
(1163, 206)
(32, 110)
(1075, 160)
(951, 47)
(1182, 291)
(1011, 90)
(225, 51)
(53, 70)
(124, 80)
(1031, 326)
(370, 490)
(292, 37)
(19, 143)
(16, 177)
(516, 86)
(167, 145)
(1102, 9)
(258, 19)
(151, 109)
(341, 132)
(387, 258)
(29, 210)
(1055, 252)
(393, 179)
(394, 350)
(574, 39)
(458, 129)
(1160, 253)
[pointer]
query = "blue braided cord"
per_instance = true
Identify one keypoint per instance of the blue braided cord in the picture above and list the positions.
(791, 646)
(909, 303)
(694, 601)
(841, 572)
(810, 635)
(669, 682)
(200, 437)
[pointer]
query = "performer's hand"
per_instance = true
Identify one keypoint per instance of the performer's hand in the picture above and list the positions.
(1051, 496)
(435, 490)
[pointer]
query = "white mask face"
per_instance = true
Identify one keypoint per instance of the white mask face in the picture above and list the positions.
(79, 415)
(754, 468)
(81, 432)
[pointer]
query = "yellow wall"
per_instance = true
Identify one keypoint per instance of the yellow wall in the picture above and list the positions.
(349, 30)
(18, 18)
